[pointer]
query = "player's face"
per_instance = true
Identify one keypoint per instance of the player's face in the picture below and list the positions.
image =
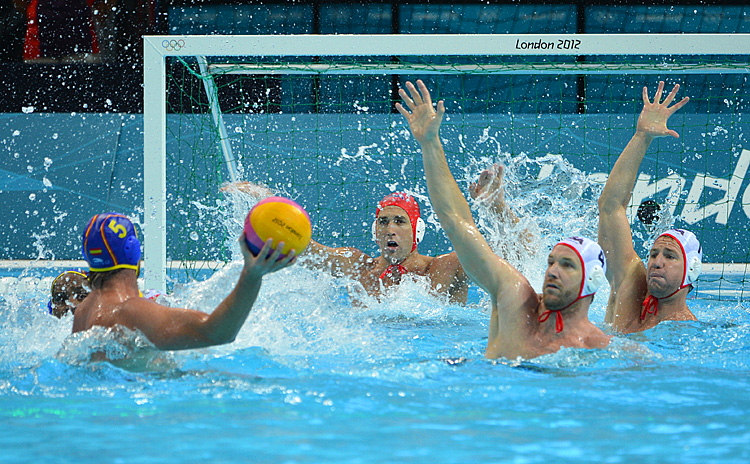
(69, 291)
(562, 281)
(666, 267)
(394, 234)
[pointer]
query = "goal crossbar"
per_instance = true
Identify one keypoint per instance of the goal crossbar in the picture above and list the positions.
(526, 68)
(158, 48)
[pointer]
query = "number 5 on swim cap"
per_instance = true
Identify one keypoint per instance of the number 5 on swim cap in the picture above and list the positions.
(281, 219)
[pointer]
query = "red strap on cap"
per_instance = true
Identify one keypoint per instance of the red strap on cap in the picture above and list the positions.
(558, 321)
(649, 303)
(389, 270)
(653, 302)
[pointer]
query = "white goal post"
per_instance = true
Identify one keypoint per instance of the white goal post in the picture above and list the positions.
(158, 48)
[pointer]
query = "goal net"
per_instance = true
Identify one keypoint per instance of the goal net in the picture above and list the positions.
(313, 117)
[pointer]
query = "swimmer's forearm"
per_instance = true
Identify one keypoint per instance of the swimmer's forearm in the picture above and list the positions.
(225, 322)
(447, 199)
(621, 181)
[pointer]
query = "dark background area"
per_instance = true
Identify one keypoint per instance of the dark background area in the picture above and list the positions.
(113, 83)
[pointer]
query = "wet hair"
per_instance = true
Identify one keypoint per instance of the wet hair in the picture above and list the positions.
(98, 279)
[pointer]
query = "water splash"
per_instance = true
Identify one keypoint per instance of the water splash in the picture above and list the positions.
(119, 346)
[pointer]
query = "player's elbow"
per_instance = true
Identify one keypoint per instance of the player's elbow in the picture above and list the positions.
(453, 227)
(216, 335)
(222, 338)
(608, 203)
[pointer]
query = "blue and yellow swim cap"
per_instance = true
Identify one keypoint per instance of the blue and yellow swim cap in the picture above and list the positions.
(110, 242)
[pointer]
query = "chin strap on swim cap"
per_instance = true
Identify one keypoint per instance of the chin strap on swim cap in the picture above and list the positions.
(558, 320)
(651, 302)
(389, 270)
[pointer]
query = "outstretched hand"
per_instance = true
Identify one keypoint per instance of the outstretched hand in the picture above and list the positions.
(423, 120)
(267, 260)
(653, 119)
(256, 190)
(489, 184)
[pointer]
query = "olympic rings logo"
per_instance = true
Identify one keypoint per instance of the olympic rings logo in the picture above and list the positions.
(173, 45)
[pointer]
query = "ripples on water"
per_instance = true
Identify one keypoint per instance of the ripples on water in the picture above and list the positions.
(313, 378)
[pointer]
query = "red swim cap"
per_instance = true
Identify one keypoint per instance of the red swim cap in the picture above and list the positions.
(406, 202)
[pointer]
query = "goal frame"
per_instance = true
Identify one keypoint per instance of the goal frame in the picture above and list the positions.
(157, 48)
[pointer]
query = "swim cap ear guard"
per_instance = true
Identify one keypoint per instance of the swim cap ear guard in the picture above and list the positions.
(594, 280)
(692, 253)
(418, 233)
(694, 269)
(594, 263)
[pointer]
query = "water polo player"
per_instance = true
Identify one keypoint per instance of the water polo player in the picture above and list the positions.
(70, 288)
(397, 229)
(67, 291)
(113, 251)
(642, 296)
(521, 324)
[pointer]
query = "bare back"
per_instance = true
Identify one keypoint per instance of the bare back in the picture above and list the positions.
(165, 327)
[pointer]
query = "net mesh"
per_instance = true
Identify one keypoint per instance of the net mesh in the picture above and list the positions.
(325, 133)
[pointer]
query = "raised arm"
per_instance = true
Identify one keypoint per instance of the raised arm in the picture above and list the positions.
(615, 236)
(489, 271)
(179, 328)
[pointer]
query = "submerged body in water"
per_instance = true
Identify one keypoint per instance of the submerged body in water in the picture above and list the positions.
(519, 324)
(309, 366)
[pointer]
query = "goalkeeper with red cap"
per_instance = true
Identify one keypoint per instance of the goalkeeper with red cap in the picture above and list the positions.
(398, 228)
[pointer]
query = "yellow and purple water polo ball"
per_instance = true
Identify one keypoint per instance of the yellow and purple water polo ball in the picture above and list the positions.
(280, 219)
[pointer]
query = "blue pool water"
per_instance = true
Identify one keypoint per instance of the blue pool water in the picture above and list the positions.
(315, 379)
(321, 373)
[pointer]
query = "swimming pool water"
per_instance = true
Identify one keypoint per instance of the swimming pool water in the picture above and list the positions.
(313, 378)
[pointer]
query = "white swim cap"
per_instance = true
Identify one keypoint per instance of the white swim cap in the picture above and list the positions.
(594, 263)
(692, 253)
